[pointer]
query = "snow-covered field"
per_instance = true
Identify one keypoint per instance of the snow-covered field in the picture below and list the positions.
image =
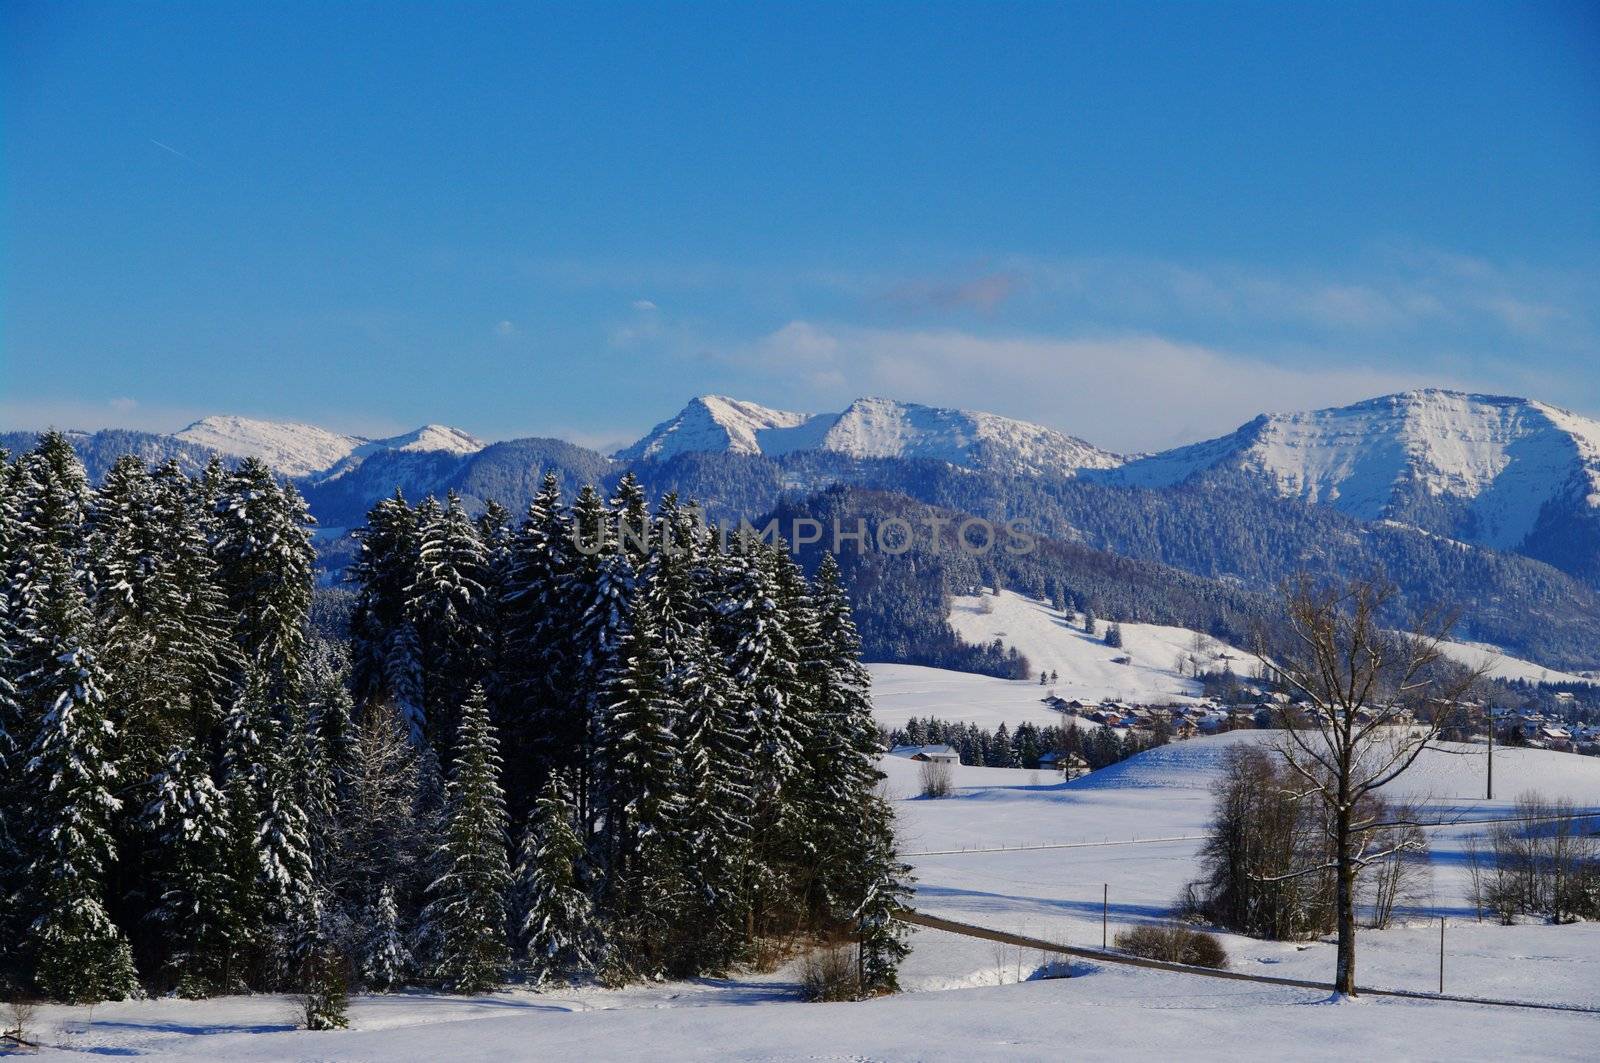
(1055, 641)
(1503, 666)
(962, 1000)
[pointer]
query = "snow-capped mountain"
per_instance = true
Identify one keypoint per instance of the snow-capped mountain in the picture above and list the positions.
(301, 450)
(291, 448)
(871, 428)
(1486, 469)
(713, 423)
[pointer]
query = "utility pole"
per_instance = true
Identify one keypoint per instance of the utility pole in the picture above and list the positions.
(1489, 785)
(1441, 955)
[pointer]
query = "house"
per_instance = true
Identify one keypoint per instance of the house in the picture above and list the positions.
(935, 754)
(1069, 764)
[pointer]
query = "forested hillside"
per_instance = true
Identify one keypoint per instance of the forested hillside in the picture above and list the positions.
(552, 745)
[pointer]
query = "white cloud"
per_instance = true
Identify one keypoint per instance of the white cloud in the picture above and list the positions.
(1124, 392)
(89, 415)
(505, 328)
(643, 305)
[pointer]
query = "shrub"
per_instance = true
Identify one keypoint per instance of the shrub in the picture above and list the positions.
(1174, 944)
(830, 974)
(936, 778)
(324, 994)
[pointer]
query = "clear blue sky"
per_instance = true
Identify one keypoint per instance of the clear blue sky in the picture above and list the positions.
(1140, 223)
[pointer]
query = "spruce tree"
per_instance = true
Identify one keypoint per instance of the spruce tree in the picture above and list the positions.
(556, 928)
(263, 543)
(197, 898)
(537, 625)
(385, 960)
(447, 606)
(469, 898)
(80, 954)
(844, 743)
(885, 888)
(384, 650)
(645, 811)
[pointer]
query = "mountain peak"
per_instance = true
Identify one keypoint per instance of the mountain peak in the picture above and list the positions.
(1480, 468)
(712, 423)
(290, 447)
(296, 449)
(870, 427)
(433, 437)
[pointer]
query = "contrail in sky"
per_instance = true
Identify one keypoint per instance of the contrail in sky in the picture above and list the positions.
(175, 151)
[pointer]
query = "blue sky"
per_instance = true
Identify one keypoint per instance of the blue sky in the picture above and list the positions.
(1139, 223)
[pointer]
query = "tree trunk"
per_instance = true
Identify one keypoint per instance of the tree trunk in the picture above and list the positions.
(1344, 978)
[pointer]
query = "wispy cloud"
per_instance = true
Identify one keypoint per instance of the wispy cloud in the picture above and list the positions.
(1127, 392)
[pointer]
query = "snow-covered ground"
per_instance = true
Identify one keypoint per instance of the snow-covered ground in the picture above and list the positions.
(1107, 1013)
(1054, 641)
(1057, 894)
(901, 691)
(1134, 829)
(1503, 666)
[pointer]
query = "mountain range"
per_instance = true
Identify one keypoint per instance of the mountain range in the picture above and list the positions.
(1406, 482)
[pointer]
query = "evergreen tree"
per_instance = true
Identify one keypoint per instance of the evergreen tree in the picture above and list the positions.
(80, 954)
(384, 651)
(719, 802)
(556, 928)
(1114, 636)
(385, 958)
(469, 897)
(263, 544)
(886, 887)
(197, 897)
(844, 743)
(645, 802)
(538, 623)
(448, 605)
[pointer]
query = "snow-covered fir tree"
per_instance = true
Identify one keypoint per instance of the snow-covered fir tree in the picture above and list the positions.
(556, 928)
(385, 960)
(198, 902)
(468, 909)
(80, 954)
(646, 826)
(229, 799)
(447, 605)
(263, 544)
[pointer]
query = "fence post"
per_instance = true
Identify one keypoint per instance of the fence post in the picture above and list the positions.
(1441, 955)
(1105, 908)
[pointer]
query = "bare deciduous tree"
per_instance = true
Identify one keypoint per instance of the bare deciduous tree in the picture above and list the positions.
(1367, 701)
(936, 778)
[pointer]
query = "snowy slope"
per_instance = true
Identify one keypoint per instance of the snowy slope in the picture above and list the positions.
(1087, 668)
(295, 449)
(901, 691)
(871, 428)
(431, 438)
(291, 448)
(1475, 467)
(963, 1001)
(712, 423)
(1110, 1013)
(1504, 666)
